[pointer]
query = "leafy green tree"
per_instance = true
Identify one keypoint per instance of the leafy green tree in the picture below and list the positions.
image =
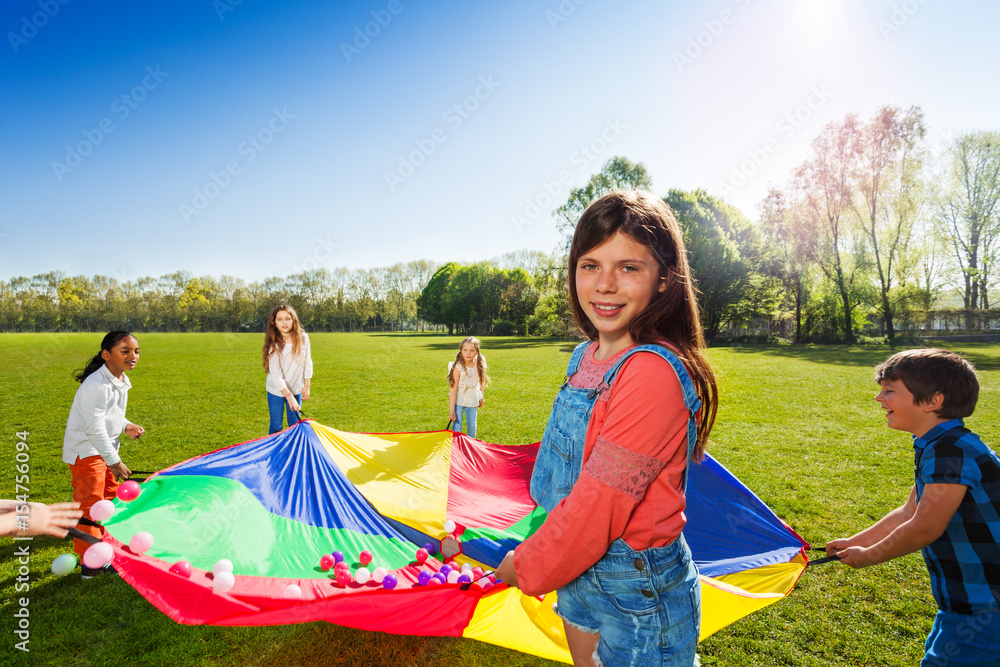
(618, 173)
(431, 304)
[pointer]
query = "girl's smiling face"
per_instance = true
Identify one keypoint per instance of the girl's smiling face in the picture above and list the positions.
(122, 357)
(468, 353)
(615, 282)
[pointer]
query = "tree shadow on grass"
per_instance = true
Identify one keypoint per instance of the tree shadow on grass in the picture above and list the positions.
(841, 355)
(437, 341)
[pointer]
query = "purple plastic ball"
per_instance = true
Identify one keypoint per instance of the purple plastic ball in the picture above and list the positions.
(431, 548)
(423, 577)
(464, 579)
(337, 556)
(389, 582)
(446, 569)
(441, 579)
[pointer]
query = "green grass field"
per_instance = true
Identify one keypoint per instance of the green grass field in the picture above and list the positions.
(797, 424)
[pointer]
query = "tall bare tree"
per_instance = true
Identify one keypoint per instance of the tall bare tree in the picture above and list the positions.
(824, 183)
(889, 192)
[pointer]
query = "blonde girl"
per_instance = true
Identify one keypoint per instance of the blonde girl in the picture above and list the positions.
(288, 364)
(467, 378)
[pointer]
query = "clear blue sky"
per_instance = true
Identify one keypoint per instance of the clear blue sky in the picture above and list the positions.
(246, 139)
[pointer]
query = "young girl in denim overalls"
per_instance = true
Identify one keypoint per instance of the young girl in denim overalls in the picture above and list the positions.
(637, 406)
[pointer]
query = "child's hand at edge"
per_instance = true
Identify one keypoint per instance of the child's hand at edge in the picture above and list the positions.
(134, 431)
(505, 570)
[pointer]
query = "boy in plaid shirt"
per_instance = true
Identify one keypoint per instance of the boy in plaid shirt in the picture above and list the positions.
(953, 512)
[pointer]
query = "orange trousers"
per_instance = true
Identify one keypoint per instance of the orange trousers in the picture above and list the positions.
(92, 481)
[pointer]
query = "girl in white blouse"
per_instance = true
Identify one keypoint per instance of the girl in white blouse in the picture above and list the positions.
(467, 378)
(288, 364)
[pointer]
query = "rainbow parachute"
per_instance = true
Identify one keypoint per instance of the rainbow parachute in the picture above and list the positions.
(274, 506)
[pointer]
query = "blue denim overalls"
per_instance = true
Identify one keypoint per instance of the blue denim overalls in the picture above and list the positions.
(645, 604)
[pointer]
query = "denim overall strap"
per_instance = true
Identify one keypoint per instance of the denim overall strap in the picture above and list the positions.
(691, 401)
(576, 359)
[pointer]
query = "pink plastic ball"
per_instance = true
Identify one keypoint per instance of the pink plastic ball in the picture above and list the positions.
(389, 582)
(433, 582)
(343, 578)
(365, 557)
(422, 555)
(342, 566)
(141, 542)
(477, 572)
(326, 562)
(98, 555)
(128, 491)
(183, 568)
(102, 510)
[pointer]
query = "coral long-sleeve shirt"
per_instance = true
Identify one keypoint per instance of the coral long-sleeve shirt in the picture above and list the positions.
(635, 451)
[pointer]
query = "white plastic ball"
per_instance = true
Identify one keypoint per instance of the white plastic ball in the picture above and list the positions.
(141, 542)
(222, 565)
(466, 567)
(362, 575)
(292, 592)
(63, 564)
(223, 581)
(453, 576)
(379, 574)
(449, 526)
(102, 510)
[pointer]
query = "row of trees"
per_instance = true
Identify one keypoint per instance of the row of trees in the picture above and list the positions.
(337, 300)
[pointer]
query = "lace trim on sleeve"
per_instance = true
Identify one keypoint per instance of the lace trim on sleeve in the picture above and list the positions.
(622, 469)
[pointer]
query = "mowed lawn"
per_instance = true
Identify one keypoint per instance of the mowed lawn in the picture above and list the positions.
(797, 424)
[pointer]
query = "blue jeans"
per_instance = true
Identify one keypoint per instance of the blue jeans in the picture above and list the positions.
(470, 420)
(963, 639)
(275, 404)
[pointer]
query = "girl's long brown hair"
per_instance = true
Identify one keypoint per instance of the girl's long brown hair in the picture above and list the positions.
(274, 341)
(672, 315)
(484, 379)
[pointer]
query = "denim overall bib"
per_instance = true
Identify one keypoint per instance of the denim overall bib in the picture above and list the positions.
(645, 604)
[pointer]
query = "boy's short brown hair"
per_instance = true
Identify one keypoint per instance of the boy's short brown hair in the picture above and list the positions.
(925, 372)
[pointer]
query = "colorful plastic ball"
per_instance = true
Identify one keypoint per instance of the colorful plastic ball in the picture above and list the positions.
(464, 579)
(378, 574)
(102, 510)
(492, 578)
(98, 555)
(182, 567)
(292, 592)
(466, 567)
(434, 581)
(445, 569)
(431, 548)
(477, 572)
(326, 562)
(422, 555)
(222, 565)
(453, 577)
(449, 526)
(343, 578)
(128, 491)
(487, 586)
(365, 557)
(223, 581)
(141, 542)
(389, 582)
(423, 577)
(63, 564)
(362, 575)
(342, 566)
(338, 556)
(440, 578)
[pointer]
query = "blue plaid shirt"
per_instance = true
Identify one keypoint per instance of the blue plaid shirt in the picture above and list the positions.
(965, 561)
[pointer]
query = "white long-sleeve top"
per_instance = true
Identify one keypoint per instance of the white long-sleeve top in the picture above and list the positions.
(97, 418)
(285, 371)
